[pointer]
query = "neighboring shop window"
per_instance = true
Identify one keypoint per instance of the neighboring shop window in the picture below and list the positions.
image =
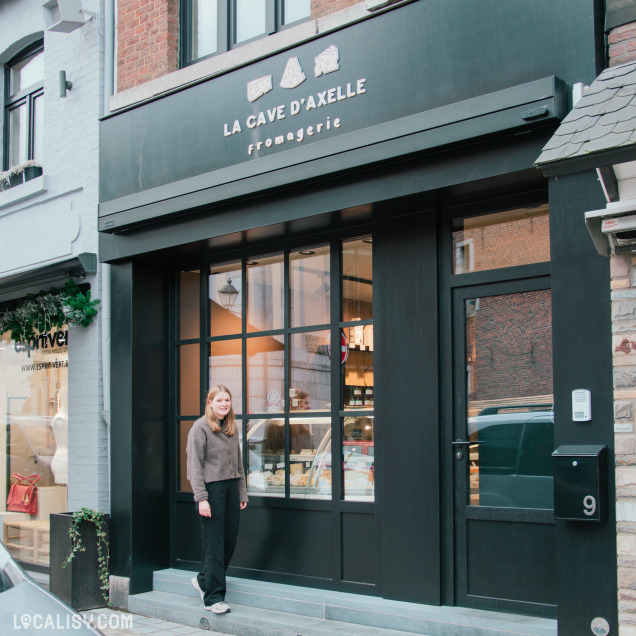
(209, 27)
(269, 341)
(23, 107)
(504, 239)
(34, 411)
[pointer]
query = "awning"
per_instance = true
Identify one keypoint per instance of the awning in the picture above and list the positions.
(18, 285)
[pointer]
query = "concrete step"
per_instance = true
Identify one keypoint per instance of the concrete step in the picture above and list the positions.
(267, 607)
(243, 620)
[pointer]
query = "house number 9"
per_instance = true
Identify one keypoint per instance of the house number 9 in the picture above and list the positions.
(589, 503)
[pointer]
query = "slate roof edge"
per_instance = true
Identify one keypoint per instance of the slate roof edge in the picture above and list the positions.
(591, 161)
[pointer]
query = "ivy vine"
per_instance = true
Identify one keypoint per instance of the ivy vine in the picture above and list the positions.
(39, 313)
(98, 519)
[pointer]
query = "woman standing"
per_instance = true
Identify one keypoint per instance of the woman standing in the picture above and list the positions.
(215, 471)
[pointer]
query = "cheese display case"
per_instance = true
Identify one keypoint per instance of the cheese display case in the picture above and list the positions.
(310, 459)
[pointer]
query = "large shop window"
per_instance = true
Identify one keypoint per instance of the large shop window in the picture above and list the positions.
(34, 432)
(268, 337)
(209, 27)
(24, 81)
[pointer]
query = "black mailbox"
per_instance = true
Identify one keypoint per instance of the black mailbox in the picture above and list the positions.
(580, 482)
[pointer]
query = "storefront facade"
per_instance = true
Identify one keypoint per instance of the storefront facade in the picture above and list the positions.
(51, 389)
(352, 237)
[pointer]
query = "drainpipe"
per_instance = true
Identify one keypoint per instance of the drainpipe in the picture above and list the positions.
(109, 52)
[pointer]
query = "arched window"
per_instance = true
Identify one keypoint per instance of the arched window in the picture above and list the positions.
(24, 90)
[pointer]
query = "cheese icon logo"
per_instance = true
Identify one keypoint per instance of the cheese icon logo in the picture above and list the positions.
(293, 75)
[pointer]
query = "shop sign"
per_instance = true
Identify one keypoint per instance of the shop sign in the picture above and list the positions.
(293, 76)
(43, 342)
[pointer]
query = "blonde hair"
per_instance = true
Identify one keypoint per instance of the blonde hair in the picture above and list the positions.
(230, 423)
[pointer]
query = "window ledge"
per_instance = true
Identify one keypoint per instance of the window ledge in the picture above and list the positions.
(22, 191)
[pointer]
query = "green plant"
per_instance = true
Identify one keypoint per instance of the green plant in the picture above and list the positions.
(98, 519)
(39, 313)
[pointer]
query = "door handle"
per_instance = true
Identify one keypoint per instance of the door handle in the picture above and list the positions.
(458, 443)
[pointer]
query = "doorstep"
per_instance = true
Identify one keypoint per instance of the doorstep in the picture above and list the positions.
(271, 609)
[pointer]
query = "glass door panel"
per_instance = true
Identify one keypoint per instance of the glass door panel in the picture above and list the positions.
(509, 413)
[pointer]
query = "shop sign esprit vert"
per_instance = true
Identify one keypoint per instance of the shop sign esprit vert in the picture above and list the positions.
(320, 107)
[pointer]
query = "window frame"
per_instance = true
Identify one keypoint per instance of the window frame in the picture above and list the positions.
(27, 96)
(336, 411)
(226, 27)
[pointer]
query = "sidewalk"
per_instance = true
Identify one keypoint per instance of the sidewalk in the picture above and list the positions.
(116, 623)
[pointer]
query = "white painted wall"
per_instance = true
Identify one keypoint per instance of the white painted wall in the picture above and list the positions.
(54, 218)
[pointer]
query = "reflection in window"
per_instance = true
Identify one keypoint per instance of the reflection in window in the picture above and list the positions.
(34, 410)
(309, 466)
(189, 395)
(225, 300)
(23, 107)
(504, 239)
(226, 368)
(358, 458)
(265, 293)
(203, 28)
(250, 19)
(265, 374)
(216, 26)
(310, 371)
(294, 10)
(264, 343)
(357, 280)
(510, 414)
(310, 290)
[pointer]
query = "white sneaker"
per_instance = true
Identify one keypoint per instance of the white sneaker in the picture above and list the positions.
(219, 608)
(195, 585)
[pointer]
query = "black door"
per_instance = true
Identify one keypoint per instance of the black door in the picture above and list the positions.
(503, 437)
(500, 412)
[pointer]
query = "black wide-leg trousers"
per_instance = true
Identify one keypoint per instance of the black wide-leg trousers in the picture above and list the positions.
(220, 532)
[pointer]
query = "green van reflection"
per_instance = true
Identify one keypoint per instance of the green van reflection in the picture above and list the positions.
(511, 458)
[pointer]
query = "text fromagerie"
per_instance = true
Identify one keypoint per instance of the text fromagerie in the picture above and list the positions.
(283, 111)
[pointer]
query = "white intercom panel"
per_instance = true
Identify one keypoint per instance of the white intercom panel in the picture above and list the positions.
(581, 405)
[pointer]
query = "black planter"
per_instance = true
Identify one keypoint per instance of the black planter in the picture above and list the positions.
(32, 172)
(14, 180)
(78, 583)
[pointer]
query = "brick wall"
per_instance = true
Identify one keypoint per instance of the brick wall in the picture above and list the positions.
(623, 270)
(148, 37)
(147, 40)
(622, 44)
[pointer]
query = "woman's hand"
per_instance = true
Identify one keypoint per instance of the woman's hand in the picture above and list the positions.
(243, 505)
(204, 508)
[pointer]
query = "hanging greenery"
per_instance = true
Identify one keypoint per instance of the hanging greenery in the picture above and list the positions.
(39, 313)
(98, 519)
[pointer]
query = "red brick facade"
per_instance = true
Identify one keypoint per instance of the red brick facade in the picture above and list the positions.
(622, 44)
(148, 37)
(147, 40)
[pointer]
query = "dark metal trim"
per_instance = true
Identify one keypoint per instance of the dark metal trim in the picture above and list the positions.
(618, 16)
(455, 123)
(610, 183)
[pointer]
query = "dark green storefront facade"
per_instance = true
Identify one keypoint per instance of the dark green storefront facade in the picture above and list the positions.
(401, 129)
